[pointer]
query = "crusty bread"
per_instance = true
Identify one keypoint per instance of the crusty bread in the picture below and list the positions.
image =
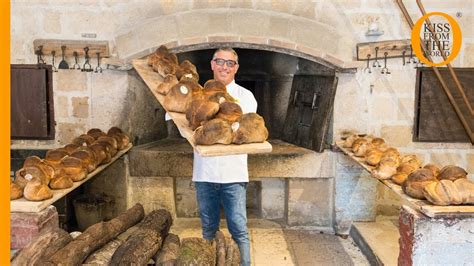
(101, 152)
(416, 181)
(386, 168)
(215, 131)
(249, 128)
(229, 111)
(88, 159)
(73, 168)
(373, 157)
(452, 172)
(36, 190)
(181, 95)
(168, 82)
(111, 142)
(448, 192)
(433, 168)
(16, 191)
(61, 181)
(200, 111)
(71, 147)
(54, 157)
(403, 170)
(83, 140)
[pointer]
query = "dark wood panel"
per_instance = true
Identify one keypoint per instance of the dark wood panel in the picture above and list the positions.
(436, 120)
(309, 109)
(32, 108)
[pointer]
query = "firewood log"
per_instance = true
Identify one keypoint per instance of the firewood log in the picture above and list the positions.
(220, 248)
(232, 254)
(95, 236)
(167, 255)
(142, 244)
(196, 251)
(42, 247)
(103, 255)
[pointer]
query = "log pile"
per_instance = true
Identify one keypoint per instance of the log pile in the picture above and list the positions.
(100, 244)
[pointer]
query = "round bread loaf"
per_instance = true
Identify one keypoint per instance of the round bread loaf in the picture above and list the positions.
(71, 147)
(73, 168)
(114, 130)
(229, 111)
(83, 140)
(416, 181)
(54, 157)
(433, 168)
(373, 157)
(16, 191)
(101, 152)
(61, 181)
(452, 172)
(111, 142)
(36, 190)
(88, 159)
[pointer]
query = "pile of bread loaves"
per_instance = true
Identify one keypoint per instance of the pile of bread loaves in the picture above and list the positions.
(63, 166)
(446, 186)
(212, 113)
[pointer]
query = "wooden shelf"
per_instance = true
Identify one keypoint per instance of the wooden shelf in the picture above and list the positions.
(72, 46)
(393, 48)
(153, 79)
(423, 206)
(24, 205)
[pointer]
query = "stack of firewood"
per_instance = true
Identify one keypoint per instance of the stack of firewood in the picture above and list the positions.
(149, 242)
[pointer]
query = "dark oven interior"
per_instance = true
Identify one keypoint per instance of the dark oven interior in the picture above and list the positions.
(295, 96)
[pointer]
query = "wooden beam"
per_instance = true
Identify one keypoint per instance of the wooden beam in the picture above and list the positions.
(72, 46)
(393, 48)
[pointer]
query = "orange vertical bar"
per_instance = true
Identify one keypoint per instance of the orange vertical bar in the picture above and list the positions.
(5, 133)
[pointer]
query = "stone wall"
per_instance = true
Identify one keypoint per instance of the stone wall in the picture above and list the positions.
(328, 31)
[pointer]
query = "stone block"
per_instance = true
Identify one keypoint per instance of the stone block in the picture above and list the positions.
(314, 35)
(241, 4)
(163, 158)
(80, 107)
(470, 163)
(445, 158)
(25, 226)
(186, 202)
(52, 23)
(468, 52)
(244, 23)
(283, 6)
(254, 40)
(208, 4)
(280, 28)
(388, 202)
(310, 202)
(68, 80)
(152, 192)
(66, 132)
(384, 109)
(397, 136)
(112, 182)
(305, 9)
(428, 241)
(127, 43)
(172, 6)
(157, 31)
(61, 107)
(406, 109)
(192, 24)
(287, 160)
(282, 44)
(355, 199)
(220, 38)
(273, 198)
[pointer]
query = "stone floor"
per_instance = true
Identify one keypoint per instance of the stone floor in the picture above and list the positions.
(273, 245)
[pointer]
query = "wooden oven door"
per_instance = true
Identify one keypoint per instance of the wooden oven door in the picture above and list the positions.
(309, 111)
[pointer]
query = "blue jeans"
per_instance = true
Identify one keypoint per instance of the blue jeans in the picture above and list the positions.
(231, 196)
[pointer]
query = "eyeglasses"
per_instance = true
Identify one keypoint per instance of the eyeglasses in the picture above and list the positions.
(229, 63)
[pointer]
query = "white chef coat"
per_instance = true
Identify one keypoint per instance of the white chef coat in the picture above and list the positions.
(228, 168)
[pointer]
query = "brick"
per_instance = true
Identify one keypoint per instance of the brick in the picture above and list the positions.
(397, 136)
(127, 44)
(282, 44)
(80, 107)
(305, 9)
(245, 23)
(192, 24)
(25, 226)
(193, 40)
(223, 39)
(254, 40)
(156, 32)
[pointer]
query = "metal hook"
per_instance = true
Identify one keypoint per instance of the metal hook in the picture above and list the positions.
(98, 69)
(385, 69)
(75, 54)
(403, 56)
(39, 54)
(411, 59)
(368, 65)
(87, 67)
(53, 55)
(376, 62)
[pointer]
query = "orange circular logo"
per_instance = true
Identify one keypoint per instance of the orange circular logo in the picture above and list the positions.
(456, 37)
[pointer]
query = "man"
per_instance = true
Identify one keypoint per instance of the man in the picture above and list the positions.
(222, 180)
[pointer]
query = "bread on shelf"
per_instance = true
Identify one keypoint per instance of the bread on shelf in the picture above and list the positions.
(452, 172)
(448, 192)
(416, 181)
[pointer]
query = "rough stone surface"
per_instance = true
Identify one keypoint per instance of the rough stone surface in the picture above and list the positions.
(61, 106)
(397, 136)
(66, 132)
(422, 238)
(186, 203)
(273, 198)
(445, 158)
(310, 203)
(24, 226)
(111, 182)
(470, 163)
(152, 192)
(80, 107)
(67, 80)
(354, 194)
